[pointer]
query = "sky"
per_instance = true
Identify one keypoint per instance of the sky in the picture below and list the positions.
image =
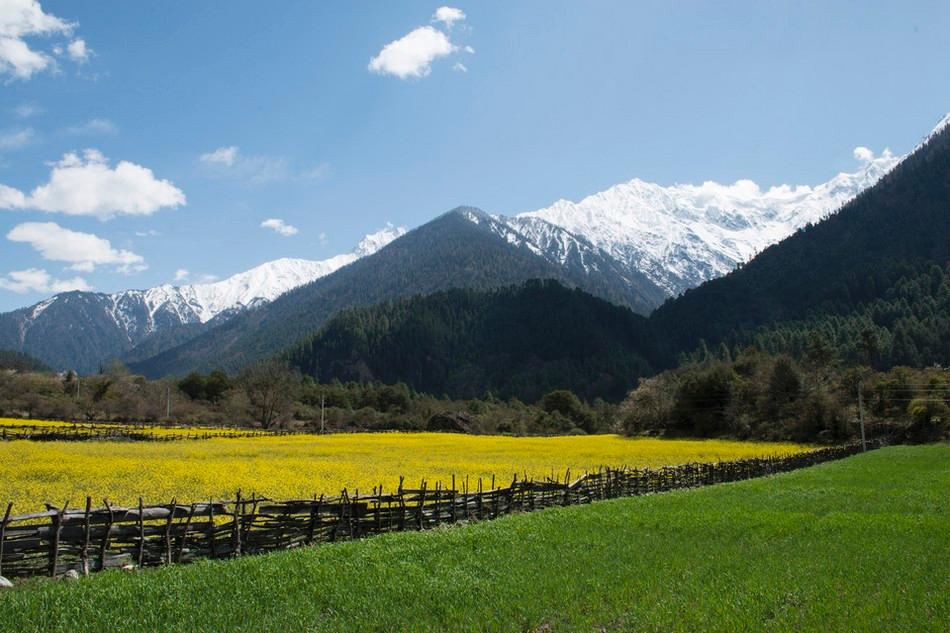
(181, 141)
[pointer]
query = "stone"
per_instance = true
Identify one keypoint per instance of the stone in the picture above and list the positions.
(72, 574)
(4, 583)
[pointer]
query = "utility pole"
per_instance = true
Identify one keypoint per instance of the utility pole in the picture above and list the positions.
(168, 401)
(864, 445)
(323, 417)
(77, 386)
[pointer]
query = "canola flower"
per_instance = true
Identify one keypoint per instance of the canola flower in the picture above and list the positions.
(284, 467)
(12, 425)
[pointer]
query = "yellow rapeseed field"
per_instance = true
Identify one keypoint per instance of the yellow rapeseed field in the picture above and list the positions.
(32, 473)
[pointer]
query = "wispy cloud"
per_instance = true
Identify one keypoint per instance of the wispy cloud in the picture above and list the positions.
(16, 138)
(221, 156)
(231, 162)
(83, 251)
(94, 126)
(38, 280)
(86, 185)
(279, 226)
(78, 51)
(26, 110)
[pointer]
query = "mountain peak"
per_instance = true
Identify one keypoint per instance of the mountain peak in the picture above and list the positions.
(682, 235)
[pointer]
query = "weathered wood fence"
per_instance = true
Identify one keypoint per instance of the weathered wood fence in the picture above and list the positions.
(88, 539)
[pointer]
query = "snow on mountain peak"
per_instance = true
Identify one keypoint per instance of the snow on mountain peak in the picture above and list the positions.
(202, 302)
(683, 234)
(375, 241)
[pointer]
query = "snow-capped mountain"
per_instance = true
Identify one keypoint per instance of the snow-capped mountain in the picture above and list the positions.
(199, 303)
(578, 256)
(79, 329)
(682, 235)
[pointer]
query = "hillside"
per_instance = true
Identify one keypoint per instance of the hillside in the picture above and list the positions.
(18, 361)
(452, 251)
(860, 257)
(513, 342)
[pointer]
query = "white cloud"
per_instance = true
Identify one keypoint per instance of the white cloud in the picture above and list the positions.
(20, 19)
(207, 278)
(94, 126)
(412, 55)
(279, 226)
(222, 155)
(469, 50)
(10, 198)
(230, 162)
(83, 251)
(148, 233)
(77, 50)
(460, 67)
(15, 139)
(448, 16)
(38, 280)
(323, 238)
(181, 274)
(86, 185)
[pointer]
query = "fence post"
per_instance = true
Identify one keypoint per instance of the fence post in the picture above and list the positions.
(141, 552)
(168, 531)
(105, 536)
(3, 532)
(422, 501)
(54, 544)
(184, 534)
(236, 526)
(211, 528)
(84, 556)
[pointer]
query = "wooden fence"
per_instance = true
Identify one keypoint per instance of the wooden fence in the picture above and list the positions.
(88, 539)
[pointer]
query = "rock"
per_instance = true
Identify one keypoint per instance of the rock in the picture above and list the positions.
(459, 422)
(4, 583)
(72, 574)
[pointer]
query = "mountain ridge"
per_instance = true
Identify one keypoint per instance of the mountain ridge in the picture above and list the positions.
(113, 324)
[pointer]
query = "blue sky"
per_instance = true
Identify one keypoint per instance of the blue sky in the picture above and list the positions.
(556, 100)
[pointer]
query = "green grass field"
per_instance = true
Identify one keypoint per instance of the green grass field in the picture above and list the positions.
(858, 545)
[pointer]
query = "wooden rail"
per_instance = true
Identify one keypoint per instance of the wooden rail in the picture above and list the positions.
(89, 539)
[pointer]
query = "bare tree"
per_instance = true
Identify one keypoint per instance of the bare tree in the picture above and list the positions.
(270, 386)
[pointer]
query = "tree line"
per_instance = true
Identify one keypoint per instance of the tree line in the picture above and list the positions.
(273, 395)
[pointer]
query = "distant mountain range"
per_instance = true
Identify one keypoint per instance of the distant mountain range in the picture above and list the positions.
(464, 248)
(868, 285)
(636, 244)
(80, 330)
(683, 235)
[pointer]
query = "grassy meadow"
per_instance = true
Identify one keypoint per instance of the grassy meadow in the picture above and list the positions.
(32, 473)
(862, 544)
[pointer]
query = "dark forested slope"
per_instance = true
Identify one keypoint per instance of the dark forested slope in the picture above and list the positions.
(859, 257)
(518, 341)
